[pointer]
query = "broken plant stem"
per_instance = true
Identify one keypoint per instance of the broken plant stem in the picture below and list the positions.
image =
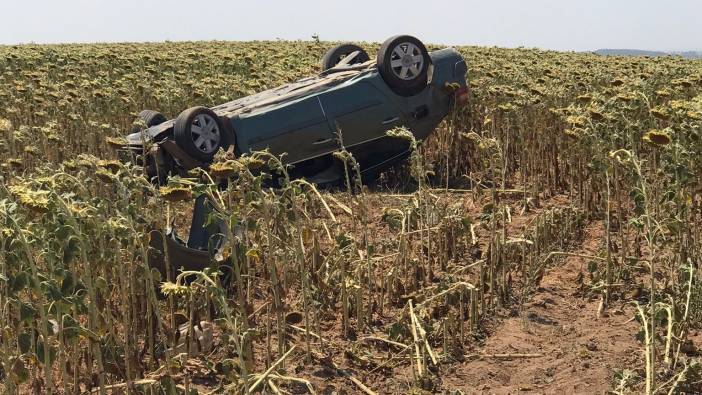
(265, 374)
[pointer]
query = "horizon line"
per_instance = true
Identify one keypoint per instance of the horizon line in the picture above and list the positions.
(164, 41)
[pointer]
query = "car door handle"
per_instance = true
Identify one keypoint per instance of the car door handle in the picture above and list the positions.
(390, 120)
(322, 141)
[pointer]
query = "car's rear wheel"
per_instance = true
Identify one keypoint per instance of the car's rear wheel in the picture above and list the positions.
(338, 53)
(151, 117)
(199, 132)
(403, 62)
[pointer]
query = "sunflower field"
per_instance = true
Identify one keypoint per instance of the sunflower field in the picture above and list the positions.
(557, 159)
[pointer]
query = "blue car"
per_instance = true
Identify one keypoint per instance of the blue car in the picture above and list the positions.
(352, 102)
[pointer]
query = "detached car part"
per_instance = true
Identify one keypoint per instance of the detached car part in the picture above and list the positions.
(197, 252)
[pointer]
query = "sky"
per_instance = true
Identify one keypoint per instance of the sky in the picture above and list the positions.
(580, 25)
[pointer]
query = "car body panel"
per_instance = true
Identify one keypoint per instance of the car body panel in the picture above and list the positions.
(360, 111)
(298, 129)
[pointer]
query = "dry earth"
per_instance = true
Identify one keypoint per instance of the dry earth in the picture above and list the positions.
(580, 350)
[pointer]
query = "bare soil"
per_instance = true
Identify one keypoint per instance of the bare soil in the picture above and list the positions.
(579, 349)
(560, 340)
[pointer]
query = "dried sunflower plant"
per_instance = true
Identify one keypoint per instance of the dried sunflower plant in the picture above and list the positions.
(368, 287)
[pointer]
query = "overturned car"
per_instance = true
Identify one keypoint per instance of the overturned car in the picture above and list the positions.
(350, 104)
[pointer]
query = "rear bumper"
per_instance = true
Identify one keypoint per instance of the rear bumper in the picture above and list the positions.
(178, 254)
(202, 249)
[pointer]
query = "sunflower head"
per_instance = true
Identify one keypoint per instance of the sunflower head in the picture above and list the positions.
(5, 125)
(168, 288)
(660, 113)
(35, 200)
(175, 193)
(105, 176)
(116, 142)
(224, 169)
(400, 133)
(657, 137)
(584, 98)
(15, 163)
(111, 165)
(571, 134)
(251, 162)
(597, 115)
(576, 120)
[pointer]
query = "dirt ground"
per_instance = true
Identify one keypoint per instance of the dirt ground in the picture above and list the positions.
(556, 342)
(579, 349)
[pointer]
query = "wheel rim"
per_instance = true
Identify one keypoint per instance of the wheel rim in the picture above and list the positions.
(205, 133)
(406, 61)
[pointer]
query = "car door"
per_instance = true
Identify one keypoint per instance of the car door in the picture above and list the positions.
(298, 128)
(361, 112)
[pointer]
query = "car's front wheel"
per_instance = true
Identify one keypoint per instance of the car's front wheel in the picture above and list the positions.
(200, 133)
(403, 62)
(335, 55)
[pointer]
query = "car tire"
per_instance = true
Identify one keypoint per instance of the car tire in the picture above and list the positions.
(200, 133)
(151, 117)
(336, 54)
(228, 136)
(403, 62)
